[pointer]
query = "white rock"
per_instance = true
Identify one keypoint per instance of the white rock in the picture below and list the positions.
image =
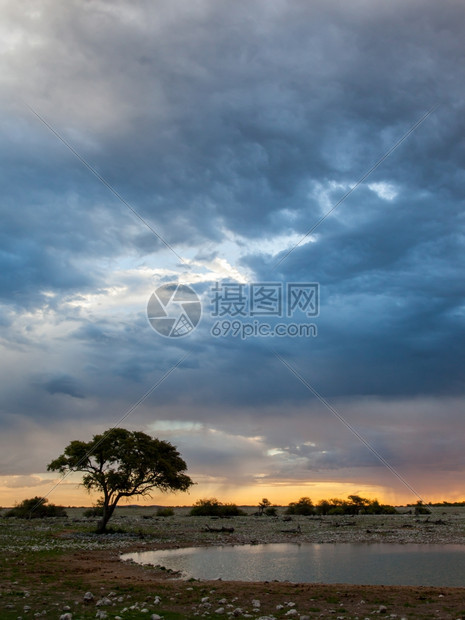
(66, 617)
(101, 614)
(155, 617)
(103, 601)
(220, 610)
(291, 612)
(88, 596)
(255, 603)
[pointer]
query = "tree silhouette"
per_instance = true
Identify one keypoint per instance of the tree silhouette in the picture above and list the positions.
(120, 463)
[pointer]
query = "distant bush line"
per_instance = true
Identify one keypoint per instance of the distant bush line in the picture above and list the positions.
(36, 508)
(214, 508)
(353, 505)
(441, 504)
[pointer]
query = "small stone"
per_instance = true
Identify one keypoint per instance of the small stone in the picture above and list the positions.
(88, 596)
(382, 609)
(255, 603)
(220, 610)
(155, 617)
(66, 617)
(66, 608)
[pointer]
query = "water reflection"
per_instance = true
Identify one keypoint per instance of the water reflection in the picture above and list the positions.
(376, 564)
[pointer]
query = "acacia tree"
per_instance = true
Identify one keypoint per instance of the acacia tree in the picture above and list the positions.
(120, 463)
(263, 505)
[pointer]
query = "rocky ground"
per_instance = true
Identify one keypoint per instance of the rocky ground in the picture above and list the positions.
(60, 569)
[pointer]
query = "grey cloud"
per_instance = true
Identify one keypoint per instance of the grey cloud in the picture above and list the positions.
(63, 384)
(218, 118)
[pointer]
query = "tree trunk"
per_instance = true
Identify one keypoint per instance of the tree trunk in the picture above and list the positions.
(107, 514)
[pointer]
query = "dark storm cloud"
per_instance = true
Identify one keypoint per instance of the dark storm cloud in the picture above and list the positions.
(247, 119)
(63, 384)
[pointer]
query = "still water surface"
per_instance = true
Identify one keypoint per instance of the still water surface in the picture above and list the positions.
(371, 564)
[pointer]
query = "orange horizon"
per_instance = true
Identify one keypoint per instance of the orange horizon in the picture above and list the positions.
(279, 494)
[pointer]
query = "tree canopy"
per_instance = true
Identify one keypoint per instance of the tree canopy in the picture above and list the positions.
(121, 463)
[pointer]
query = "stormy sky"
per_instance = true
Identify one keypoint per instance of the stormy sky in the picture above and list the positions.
(206, 141)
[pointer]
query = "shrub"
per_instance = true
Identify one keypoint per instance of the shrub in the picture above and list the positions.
(36, 508)
(165, 511)
(337, 510)
(303, 507)
(421, 509)
(270, 511)
(213, 508)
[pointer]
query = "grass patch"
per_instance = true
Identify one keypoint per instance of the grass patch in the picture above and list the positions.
(334, 600)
